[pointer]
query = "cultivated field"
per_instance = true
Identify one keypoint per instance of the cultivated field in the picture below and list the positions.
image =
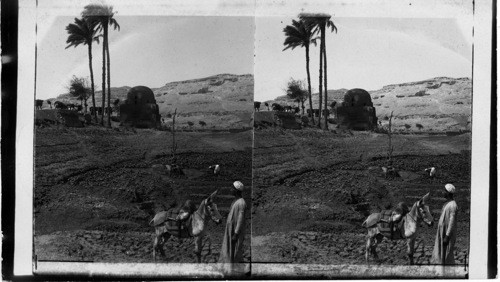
(95, 190)
(313, 189)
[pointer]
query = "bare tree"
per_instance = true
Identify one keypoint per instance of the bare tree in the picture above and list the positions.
(295, 89)
(174, 143)
(78, 87)
(390, 148)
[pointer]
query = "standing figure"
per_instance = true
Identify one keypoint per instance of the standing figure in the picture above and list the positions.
(431, 171)
(444, 246)
(232, 245)
(215, 168)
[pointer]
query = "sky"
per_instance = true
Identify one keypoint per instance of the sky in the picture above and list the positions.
(148, 50)
(365, 53)
(368, 51)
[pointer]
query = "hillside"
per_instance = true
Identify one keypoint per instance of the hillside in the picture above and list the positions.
(223, 100)
(438, 104)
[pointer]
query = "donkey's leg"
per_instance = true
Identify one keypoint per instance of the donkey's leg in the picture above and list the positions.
(411, 249)
(209, 244)
(157, 244)
(198, 247)
(368, 246)
(376, 240)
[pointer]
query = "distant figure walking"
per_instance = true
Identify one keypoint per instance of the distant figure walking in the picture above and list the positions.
(444, 246)
(215, 168)
(232, 245)
(431, 171)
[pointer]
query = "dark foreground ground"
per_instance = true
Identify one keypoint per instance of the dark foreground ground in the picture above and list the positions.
(313, 189)
(96, 190)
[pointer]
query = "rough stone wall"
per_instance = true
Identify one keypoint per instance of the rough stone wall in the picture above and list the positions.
(66, 117)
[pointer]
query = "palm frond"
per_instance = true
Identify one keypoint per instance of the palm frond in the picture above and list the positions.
(331, 25)
(114, 24)
(297, 34)
(81, 32)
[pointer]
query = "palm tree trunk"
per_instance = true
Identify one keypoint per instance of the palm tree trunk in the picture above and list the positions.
(109, 77)
(320, 81)
(326, 88)
(103, 78)
(309, 84)
(92, 82)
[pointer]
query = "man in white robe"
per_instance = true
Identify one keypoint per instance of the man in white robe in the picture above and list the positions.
(446, 236)
(232, 245)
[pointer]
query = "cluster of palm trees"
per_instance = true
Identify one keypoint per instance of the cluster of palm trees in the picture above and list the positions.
(302, 33)
(93, 24)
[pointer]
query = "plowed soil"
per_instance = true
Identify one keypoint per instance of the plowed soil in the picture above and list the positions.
(313, 189)
(96, 189)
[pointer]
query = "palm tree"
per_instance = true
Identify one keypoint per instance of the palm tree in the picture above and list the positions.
(319, 23)
(299, 34)
(102, 15)
(84, 32)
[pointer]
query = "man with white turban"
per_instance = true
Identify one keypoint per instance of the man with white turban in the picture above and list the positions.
(232, 245)
(444, 246)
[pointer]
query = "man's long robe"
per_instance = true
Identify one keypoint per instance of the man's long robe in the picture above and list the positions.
(232, 250)
(447, 226)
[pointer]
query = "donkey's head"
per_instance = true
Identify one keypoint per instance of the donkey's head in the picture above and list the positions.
(211, 208)
(423, 211)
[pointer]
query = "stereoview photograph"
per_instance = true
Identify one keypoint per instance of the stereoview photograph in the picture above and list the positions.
(362, 143)
(143, 138)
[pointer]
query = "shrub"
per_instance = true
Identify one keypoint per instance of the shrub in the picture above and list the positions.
(203, 90)
(421, 93)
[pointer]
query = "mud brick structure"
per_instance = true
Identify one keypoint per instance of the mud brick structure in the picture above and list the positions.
(275, 118)
(356, 111)
(68, 118)
(140, 108)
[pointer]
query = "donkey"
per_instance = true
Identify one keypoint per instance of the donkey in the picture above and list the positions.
(409, 224)
(196, 226)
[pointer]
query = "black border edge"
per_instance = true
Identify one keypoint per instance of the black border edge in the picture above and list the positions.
(492, 259)
(9, 37)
